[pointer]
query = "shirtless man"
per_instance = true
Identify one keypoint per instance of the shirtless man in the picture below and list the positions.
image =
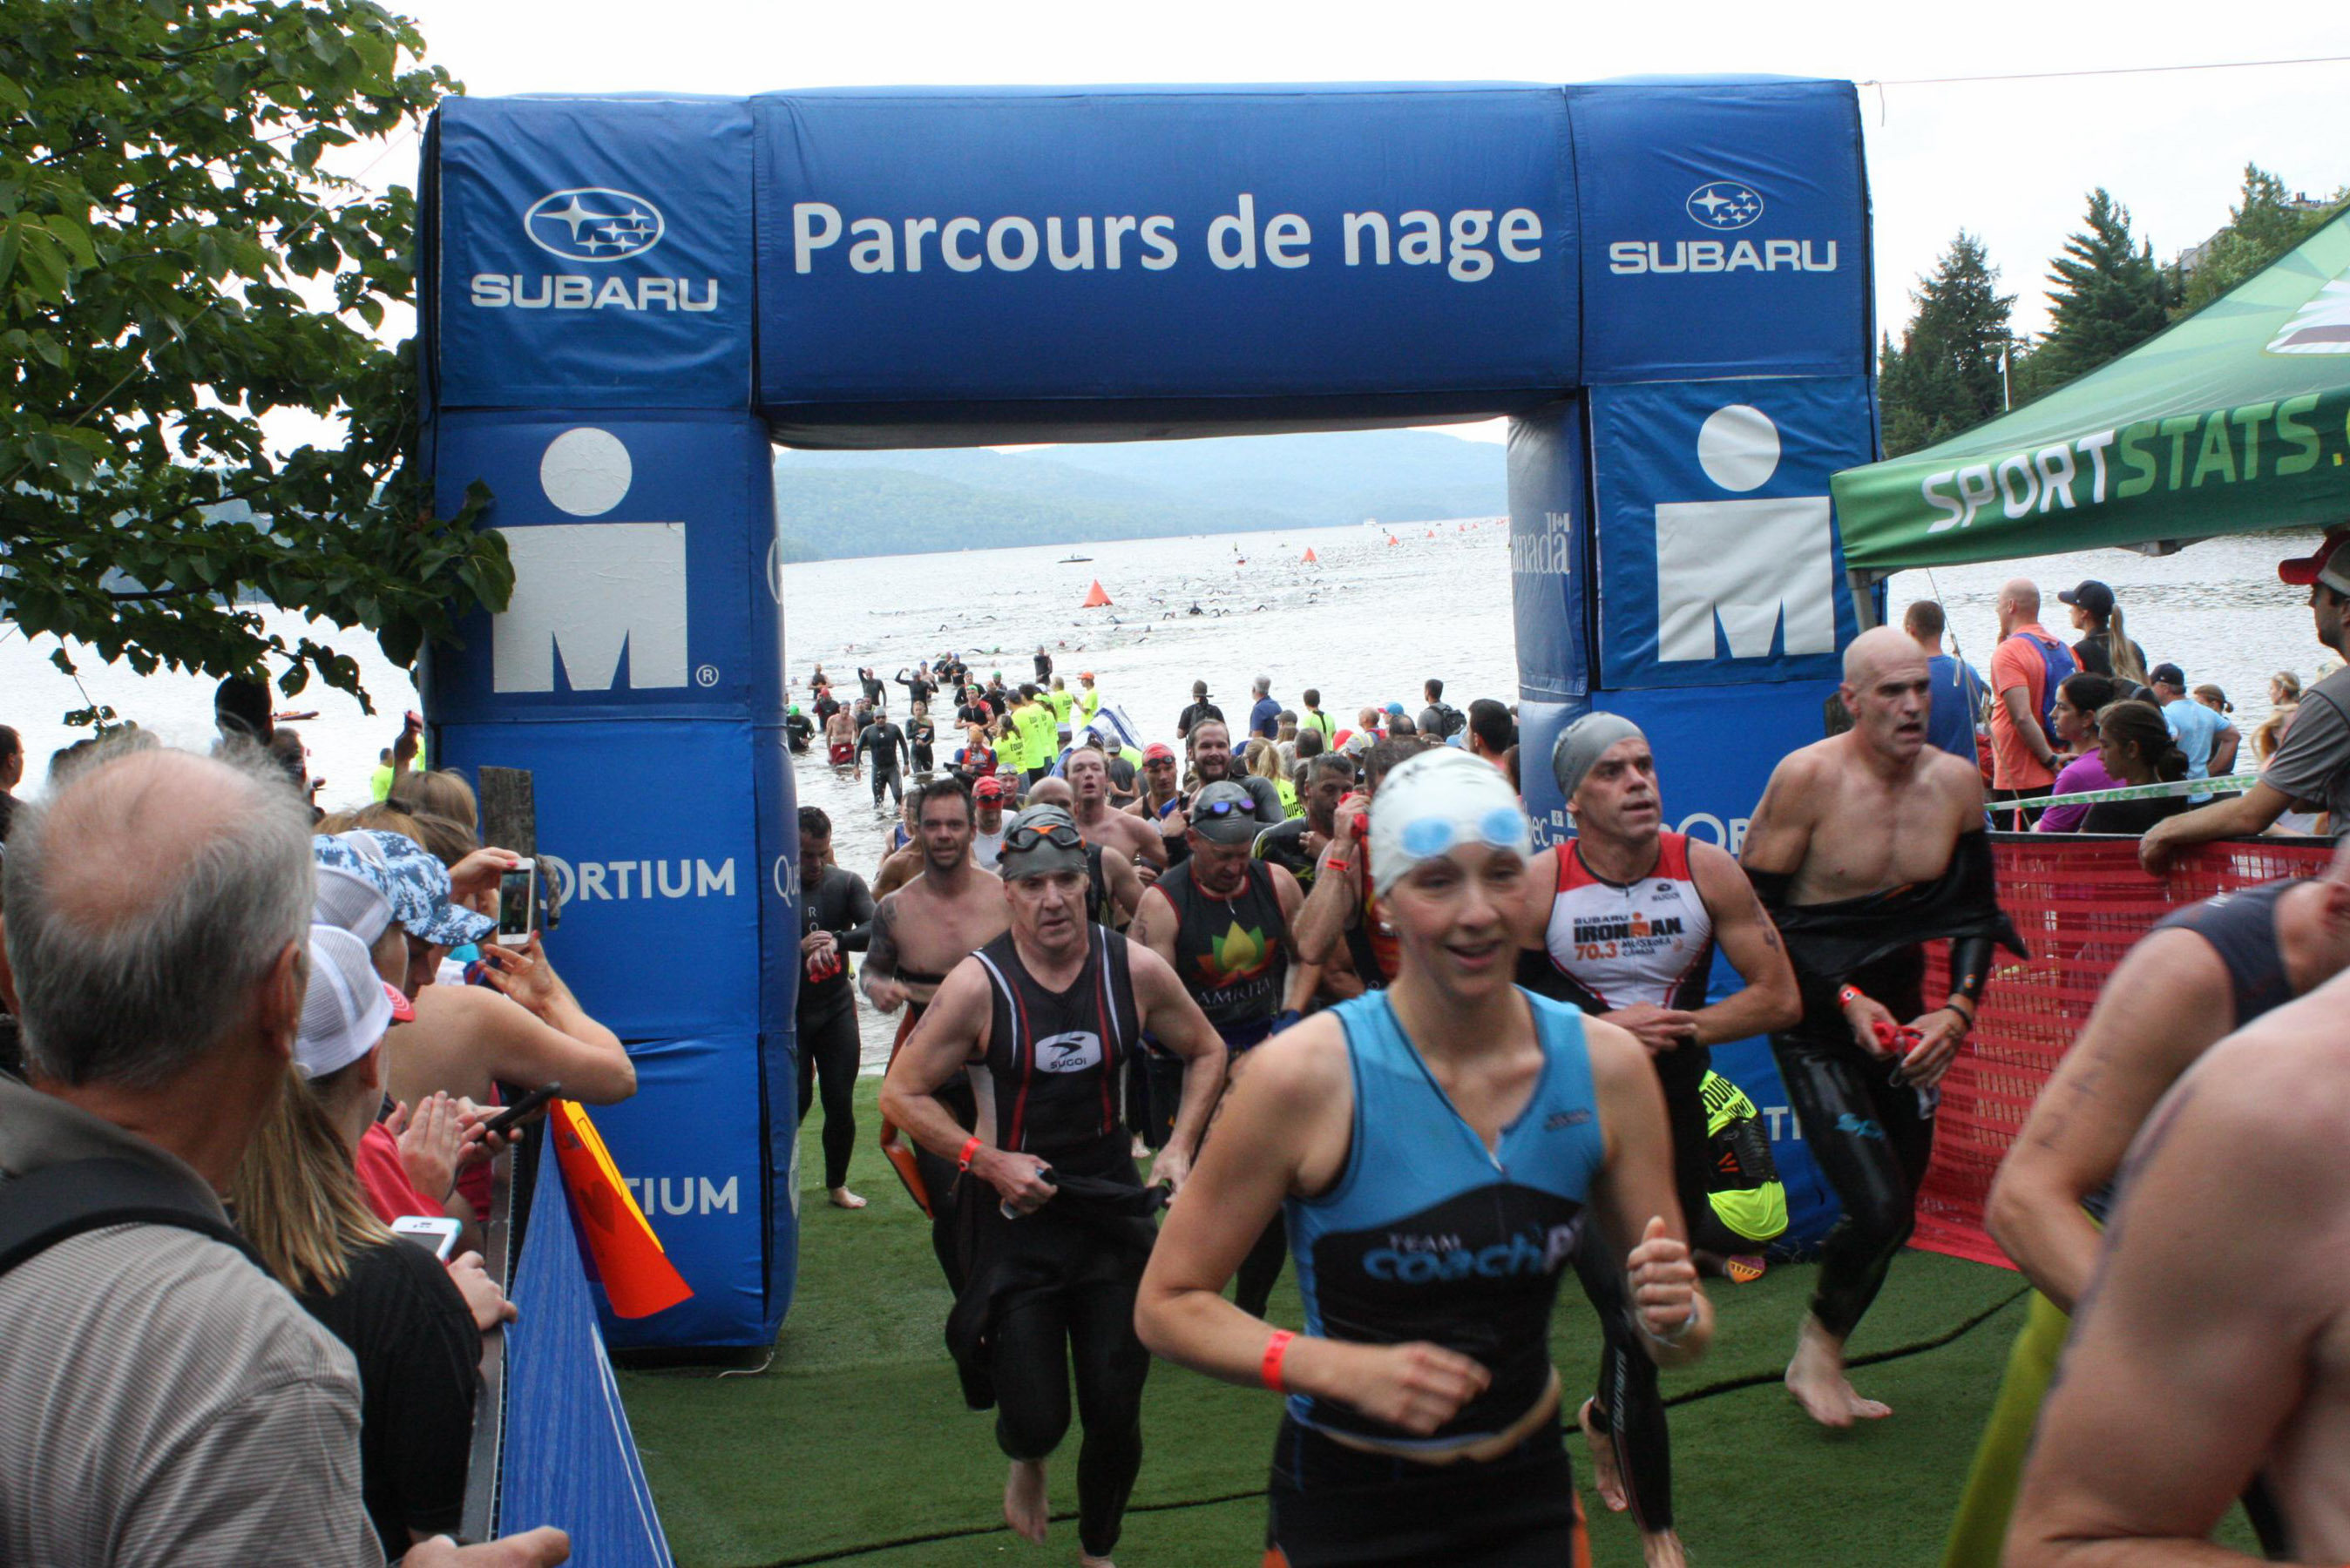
(1088, 771)
(1866, 845)
(840, 737)
(919, 934)
(2203, 973)
(1113, 888)
(2213, 1345)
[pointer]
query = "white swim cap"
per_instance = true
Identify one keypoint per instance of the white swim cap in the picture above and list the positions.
(1440, 798)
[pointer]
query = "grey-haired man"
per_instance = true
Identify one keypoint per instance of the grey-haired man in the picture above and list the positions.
(158, 909)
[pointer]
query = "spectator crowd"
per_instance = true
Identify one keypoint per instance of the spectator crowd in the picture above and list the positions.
(248, 1121)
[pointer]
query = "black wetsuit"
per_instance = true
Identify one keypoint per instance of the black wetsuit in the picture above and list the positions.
(1870, 1135)
(1288, 844)
(940, 1193)
(887, 742)
(1233, 955)
(840, 903)
(798, 732)
(1058, 1285)
(921, 736)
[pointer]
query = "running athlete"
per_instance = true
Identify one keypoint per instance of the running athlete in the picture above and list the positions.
(1050, 1009)
(1345, 903)
(1113, 891)
(840, 737)
(1221, 920)
(835, 911)
(1437, 1149)
(1627, 917)
(1864, 847)
(885, 745)
(1088, 771)
(920, 932)
(987, 825)
(921, 736)
(2203, 973)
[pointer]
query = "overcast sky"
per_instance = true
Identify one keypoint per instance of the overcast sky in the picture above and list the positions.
(2012, 161)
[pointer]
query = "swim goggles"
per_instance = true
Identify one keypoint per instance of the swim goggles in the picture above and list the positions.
(1022, 839)
(1503, 827)
(1219, 809)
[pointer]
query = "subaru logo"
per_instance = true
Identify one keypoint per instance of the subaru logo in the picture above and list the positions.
(593, 224)
(1724, 204)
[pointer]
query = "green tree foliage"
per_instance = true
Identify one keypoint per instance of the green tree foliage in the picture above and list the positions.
(176, 269)
(1945, 376)
(2261, 227)
(2106, 296)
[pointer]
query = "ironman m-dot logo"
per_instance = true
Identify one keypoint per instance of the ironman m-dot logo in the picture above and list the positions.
(593, 224)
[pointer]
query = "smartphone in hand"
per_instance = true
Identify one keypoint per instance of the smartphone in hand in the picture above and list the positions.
(438, 1232)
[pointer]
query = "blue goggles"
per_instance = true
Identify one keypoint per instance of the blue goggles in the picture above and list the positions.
(1500, 828)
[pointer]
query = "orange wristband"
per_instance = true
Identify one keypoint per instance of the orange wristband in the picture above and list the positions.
(1849, 996)
(1275, 1349)
(962, 1161)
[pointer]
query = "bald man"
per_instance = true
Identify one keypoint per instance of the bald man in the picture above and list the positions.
(2026, 667)
(1866, 846)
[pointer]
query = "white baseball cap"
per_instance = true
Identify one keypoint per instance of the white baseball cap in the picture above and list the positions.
(345, 1010)
(351, 902)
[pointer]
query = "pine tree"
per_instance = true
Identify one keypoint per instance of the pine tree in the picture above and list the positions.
(2260, 228)
(2106, 296)
(1945, 376)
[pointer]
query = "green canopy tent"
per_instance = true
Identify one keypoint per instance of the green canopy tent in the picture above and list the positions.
(2231, 421)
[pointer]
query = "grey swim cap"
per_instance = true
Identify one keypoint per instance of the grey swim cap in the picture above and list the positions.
(1038, 842)
(1581, 745)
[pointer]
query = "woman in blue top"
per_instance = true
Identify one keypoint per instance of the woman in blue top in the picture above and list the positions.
(1439, 1150)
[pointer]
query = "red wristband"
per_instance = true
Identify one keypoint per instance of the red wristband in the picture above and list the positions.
(1849, 996)
(1275, 1349)
(962, 1161)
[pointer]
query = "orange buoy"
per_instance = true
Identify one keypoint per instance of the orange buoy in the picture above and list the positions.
(1310, 557)
(1094, 598)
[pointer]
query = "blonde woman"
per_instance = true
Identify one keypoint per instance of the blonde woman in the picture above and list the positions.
(412, 1326)
(1263, 760)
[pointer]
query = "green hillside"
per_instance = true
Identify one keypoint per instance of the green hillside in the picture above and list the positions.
(832, 505)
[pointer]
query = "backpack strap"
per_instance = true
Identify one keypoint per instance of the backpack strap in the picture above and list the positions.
(58, 1202)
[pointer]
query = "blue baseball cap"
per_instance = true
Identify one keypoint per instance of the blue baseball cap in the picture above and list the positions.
(414, 883)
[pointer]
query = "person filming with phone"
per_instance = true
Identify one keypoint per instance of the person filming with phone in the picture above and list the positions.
(158, 908)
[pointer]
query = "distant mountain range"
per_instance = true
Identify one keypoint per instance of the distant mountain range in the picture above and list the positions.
(838, 503)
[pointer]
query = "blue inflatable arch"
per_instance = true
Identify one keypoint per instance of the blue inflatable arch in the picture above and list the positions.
(627, 300)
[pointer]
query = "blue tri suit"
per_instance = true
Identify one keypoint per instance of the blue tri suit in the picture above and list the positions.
(1428, 1235)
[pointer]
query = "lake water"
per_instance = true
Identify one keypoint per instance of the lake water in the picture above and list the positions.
(1367, 625)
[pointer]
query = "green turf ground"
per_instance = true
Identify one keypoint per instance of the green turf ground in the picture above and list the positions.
(854, 1445)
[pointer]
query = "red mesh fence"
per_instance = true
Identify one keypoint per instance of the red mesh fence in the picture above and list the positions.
(2080, 904)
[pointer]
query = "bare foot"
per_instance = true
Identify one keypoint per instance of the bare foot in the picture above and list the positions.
(1023, 1500)
(1662, 1549)
(1604, 1473)
(844, 1198)
(1815, 1377)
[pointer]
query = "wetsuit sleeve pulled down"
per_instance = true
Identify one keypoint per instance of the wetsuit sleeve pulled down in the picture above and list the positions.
(1978, 883)
(1829, 942)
